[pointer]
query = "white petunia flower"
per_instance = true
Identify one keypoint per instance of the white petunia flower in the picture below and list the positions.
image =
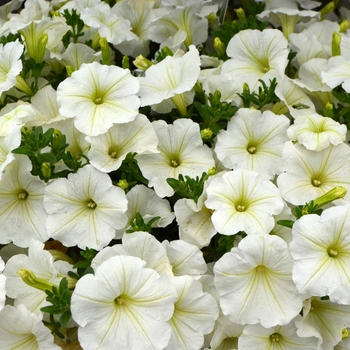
(194, 314)
(255, 282)
(22, 213)
(243, 201)
(279, 337)
(185, 258)
(321, 253)
(308, 174)
(123, 305)
(181, 151)
(41, 263)
(256, 55)
(2, 285)
(110, 149)
(22, 330)
(84, 209)
(108, 24)
(316, 132)
(141, 245)
(145, 201)
(97, 96)
(170, 79)
(324, 320)
(338, 72)
(253, 141)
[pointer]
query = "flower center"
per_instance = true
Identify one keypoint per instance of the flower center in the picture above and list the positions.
(22, 194)
(316, 183)
(230, 343)
(251, 149)
(332, 252)
(275, 337)
(98, 100)
(260, 268)
(240, 207)
(174, 163)
(91, 204)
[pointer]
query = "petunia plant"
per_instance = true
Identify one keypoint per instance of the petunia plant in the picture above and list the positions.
(174, 174)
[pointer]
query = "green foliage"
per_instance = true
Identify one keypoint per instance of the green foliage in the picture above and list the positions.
(60, 299)
(163, 53)
(265, 96)
(73, 19)
(215, 114)
(9, 38)
(189, 188)
(139, 224)
(83, 265)
(34, 141)
(230, 28)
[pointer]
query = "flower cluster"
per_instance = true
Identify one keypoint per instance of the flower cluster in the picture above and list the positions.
(174, 174)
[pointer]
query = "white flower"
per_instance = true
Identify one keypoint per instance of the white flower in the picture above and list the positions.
(256, 55)
(98, 96)
(41, 263)
(194, 314)
(181, 151)
(185, 258)
(11, 64)
(110, 149)
(20, 329)
(255, 282)
(141, 245)
(243, 201)
(253, 141)
(169, 79)
(84, 209)
(338, 72)
(22, 213)
(316, 132)
(279, 337)
(324, 320)
(124, 305)
(145, 201)
(321, 253)
(308, 174)
(2, 284)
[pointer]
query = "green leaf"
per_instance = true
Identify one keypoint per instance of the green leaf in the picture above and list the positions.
(46, 158)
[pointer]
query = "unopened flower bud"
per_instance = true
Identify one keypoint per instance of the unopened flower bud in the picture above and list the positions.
(206, 134)
(327, 9)
(123, 184)
(29, 278)
(46, 170)
(240, 14)
(69, 70)
(336, 39)
(142, 62)
(344, 26)
(40, 49)
(330, 196)
(219, 47)
(125, 62)
(106, 51)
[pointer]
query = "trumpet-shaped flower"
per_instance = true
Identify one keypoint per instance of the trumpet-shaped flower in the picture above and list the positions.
(321, 253)
(109, 25)
(194, 314)
(2, 285)
(40, 263)
(181, 151)
(84, 209)
(180, 28)
(316, 132)
(141, 245)
(253, 141)
(22, 212)
(338, 73)
(279, 337)
(149, 205)
(139, 14)
(324, 320)
(110, 149)
(169, 79)
(256, 55)
(124, 305)
(243, 201)
(97, 96)
(308, 174)
(11, 64)
(20, 329)
(255, 282)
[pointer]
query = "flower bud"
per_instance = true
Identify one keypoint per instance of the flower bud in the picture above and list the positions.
(332, 195)
(219, 47)
(336, 39)
(106, 51)
(29, 278)
(142, 62)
